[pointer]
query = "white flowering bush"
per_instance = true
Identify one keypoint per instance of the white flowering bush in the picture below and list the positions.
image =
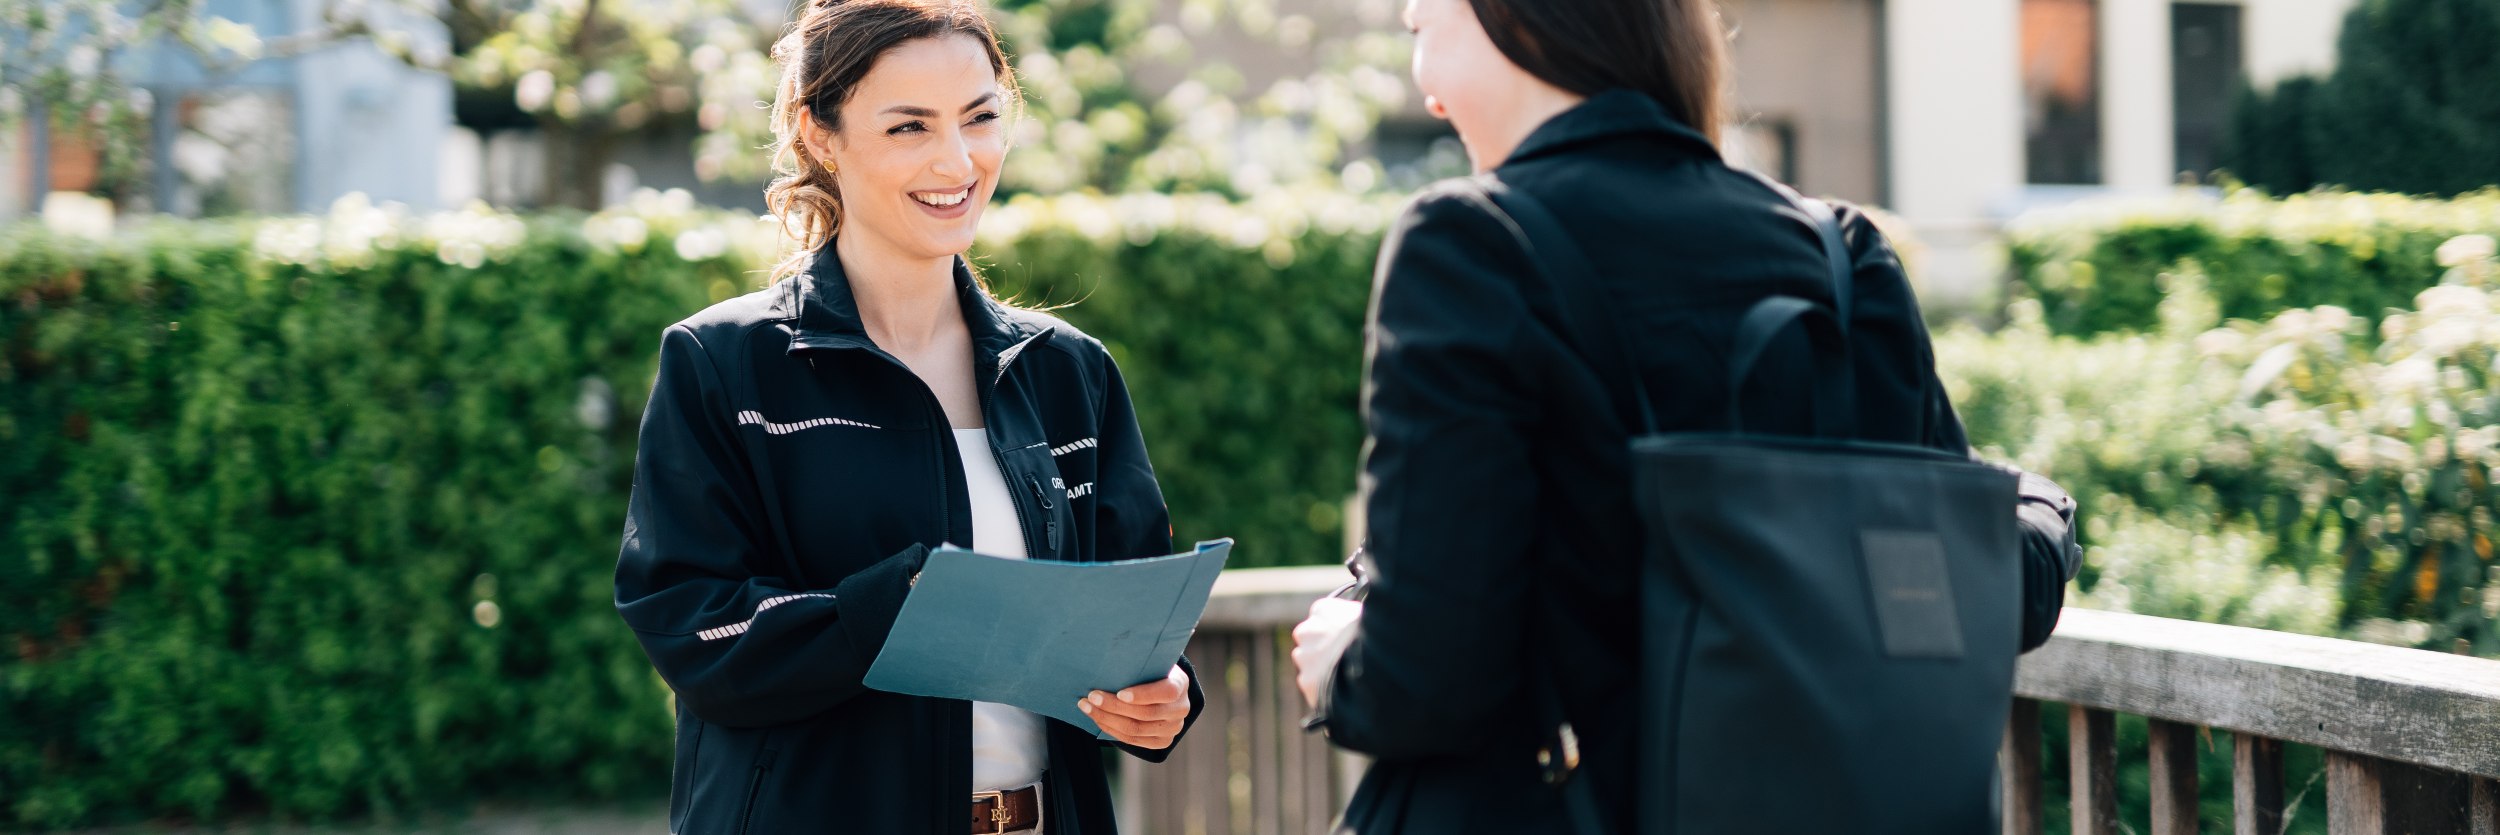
(2311, 456)
(2156, 563)
(1140, 95)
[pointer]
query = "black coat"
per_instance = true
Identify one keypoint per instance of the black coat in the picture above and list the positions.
(1497, 479)
(791, 479)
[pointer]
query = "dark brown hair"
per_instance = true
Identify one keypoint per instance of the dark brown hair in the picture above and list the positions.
(1673, 50)
(827, 51)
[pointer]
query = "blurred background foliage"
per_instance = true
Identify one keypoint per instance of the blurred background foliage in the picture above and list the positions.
(2413, 106)
(1088, 67)
(2275, 413)
(2102, 267)
(1118, 98)
(2247, 450)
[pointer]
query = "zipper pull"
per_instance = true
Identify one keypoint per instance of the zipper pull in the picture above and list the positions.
(1038, 492)
(1050, 521)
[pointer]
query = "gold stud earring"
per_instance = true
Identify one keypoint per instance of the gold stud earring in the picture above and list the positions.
(829, 166)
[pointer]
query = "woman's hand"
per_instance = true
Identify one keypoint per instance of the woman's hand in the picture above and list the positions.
(1147, 716)
(1320, 640)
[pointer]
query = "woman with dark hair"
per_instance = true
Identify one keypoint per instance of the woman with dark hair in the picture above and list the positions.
(1503, 544)
(805, 446)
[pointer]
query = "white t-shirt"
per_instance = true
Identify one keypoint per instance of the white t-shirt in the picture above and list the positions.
(1008, 751)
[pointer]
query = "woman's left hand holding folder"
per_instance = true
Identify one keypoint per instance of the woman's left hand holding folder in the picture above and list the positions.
(1147, 716)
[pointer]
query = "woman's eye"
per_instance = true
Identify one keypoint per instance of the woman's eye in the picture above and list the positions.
(906, 127)
(984, 116)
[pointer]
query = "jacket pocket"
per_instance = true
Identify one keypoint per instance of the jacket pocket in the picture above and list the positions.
(755, 785)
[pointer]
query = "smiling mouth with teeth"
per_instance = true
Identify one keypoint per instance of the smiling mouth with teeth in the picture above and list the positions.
(942, 200)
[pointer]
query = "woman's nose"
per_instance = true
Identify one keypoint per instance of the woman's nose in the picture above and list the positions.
(954, 160)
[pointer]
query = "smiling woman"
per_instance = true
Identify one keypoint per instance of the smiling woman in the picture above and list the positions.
(807, 445)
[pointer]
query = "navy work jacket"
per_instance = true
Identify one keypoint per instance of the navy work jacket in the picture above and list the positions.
(791, 479)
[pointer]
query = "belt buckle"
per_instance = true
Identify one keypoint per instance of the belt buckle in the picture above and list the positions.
(998, 811)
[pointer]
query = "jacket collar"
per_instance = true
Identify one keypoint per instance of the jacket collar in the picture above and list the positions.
(1609, 114)
(828, 313)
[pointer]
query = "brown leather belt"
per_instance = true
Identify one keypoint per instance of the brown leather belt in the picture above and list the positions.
(998, 813)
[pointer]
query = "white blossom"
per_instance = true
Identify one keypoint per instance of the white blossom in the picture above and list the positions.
(702, 243)
(2466, 249)
(77, 215)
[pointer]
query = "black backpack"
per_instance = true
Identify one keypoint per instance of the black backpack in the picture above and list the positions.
(1829, 625)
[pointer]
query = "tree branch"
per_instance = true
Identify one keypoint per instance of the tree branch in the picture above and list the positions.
(581, 34)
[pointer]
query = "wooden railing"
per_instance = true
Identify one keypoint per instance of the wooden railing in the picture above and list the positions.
(2412, 738)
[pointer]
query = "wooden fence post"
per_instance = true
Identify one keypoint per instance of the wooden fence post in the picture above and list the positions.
(2092, 757)
(2174, 778)
(2018, 764)
(2355, 804)
(2257, 785)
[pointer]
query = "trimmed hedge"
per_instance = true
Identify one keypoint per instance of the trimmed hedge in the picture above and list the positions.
(317, 516)
(2099, 268)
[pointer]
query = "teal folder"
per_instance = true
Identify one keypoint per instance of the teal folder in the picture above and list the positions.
(1040, 634)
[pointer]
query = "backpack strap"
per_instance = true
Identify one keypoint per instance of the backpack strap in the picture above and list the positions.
(1555, 258)
(1552, 256)
(1835, 397)
(1835, 388)
(1826, 224)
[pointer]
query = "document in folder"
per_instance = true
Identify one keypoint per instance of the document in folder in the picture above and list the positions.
(1040, 634)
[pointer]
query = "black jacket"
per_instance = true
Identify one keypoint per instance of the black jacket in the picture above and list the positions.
(1497, 479)
(791, 479)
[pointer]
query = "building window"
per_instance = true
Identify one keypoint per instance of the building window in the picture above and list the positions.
(2061, 91)
(2205, 69)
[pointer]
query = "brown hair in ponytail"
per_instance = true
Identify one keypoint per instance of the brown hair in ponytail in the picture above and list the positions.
(1673, 50)
(827, 51)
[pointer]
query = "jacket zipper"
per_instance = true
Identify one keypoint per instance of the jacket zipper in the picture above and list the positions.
(989, 417)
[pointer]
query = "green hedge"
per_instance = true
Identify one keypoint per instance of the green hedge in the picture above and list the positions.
(2099, 268)
(317, 516)
(2313, 472)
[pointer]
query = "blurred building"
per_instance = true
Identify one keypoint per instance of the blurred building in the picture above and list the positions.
(282, 135)
(293, 134)
(1959, 115)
